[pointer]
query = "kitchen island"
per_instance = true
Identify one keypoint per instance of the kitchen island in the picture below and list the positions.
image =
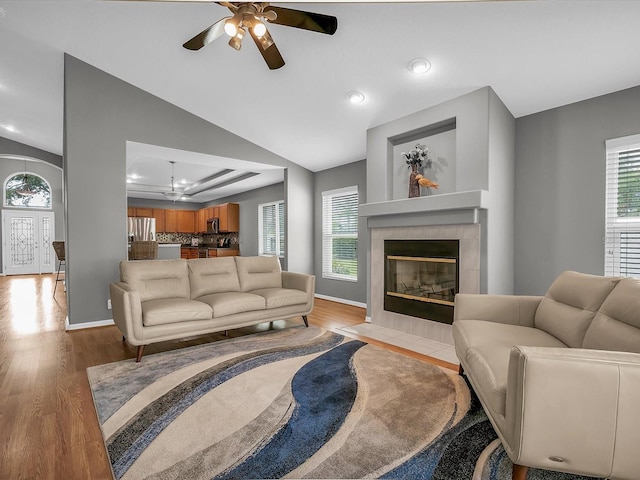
(168, 251)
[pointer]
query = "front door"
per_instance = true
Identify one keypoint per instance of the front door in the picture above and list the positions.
(26, 242)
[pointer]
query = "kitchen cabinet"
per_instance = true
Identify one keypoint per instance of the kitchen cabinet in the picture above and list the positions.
(185, 221)
(189, 252)
(170, 224)
(138, 212)
(158, 214)
(201, 221)
(229, 215)
(223, 252)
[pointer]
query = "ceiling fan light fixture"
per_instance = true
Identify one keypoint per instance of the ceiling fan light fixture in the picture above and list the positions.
(231, 26)
(236, 42)
(419, 66)
(259, 28)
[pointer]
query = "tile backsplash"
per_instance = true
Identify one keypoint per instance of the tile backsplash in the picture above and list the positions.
(207, 239)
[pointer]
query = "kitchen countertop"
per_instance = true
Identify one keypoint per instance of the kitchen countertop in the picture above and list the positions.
(168, 245)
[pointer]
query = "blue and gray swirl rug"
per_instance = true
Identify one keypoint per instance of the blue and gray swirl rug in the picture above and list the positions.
(293, 403)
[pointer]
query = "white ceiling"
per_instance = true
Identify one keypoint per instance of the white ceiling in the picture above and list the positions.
(536, 55)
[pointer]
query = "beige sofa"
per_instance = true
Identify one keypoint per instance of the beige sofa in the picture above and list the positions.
(559, 375)
(159, 300)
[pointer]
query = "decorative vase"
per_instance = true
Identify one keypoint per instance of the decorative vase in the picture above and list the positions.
(414, 188)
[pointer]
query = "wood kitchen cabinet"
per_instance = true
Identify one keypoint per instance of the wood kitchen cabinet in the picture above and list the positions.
(131, 211)
(223, 252)
(229, 215)
(170, 224)
(139, 212)
(158, 214)
(189, 252)
(185, 221)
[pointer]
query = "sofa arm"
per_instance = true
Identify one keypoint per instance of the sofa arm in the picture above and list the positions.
(127, 311)
(299, 281)
(574, 410)
(510, 309)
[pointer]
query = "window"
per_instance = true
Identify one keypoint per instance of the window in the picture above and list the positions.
(340, 234)
(27, 190)
(271, 228)
(622, 231)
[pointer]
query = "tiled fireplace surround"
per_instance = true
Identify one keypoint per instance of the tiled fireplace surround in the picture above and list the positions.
(469, 274)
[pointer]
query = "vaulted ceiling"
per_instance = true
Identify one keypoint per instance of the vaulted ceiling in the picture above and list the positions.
(536, 55)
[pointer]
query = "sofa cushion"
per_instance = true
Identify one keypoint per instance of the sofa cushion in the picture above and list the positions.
(616, 326)
(224, 304)
(155, 279)
(173, 310)
(212, 275)
(570, 305)
(486, 347)
(258, 272)
(282, 297)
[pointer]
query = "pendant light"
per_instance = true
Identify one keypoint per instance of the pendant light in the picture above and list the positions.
(24, 190)
(172, 195)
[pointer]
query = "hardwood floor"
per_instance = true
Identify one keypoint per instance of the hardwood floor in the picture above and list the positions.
(48, 424)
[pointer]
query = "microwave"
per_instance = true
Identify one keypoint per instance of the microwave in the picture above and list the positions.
(212, 225)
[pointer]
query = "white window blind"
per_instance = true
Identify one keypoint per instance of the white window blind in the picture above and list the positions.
(271, 228)
(622, 230)
(340, 234)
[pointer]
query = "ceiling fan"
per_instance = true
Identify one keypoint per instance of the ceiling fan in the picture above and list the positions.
(249, 17)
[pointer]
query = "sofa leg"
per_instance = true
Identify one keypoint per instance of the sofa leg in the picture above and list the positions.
(306, 322)
(226, 333)
(460, 369)
(139, 354)
(519, 472)
(123, 339)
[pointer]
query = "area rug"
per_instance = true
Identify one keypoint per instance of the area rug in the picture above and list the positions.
(293, 403)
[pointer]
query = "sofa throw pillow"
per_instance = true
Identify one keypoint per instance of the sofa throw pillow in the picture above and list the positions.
(570, 304)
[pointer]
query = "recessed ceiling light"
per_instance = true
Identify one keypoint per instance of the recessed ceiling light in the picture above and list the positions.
(419, 66)
(134, 176)
(355, 96)
(9, 128)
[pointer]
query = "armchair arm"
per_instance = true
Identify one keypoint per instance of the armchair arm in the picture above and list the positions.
(509, 309)
(127, 311)
(574, 410)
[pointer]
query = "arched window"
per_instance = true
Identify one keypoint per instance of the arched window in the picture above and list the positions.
(28, 190)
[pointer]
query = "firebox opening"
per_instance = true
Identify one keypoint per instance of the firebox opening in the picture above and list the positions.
(421, 278)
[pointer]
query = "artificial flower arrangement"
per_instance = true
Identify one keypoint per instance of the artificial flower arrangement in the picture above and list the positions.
(414, 159)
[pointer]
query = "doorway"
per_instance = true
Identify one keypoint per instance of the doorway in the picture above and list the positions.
(26, 242)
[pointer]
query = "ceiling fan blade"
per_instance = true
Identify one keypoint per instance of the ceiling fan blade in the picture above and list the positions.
(207, 36)
(316, 22)
(271, 54)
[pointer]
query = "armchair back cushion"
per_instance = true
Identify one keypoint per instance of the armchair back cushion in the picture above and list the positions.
(156, 279)
(259, 272)
(209, 277)
(617, 324)
(570, 304)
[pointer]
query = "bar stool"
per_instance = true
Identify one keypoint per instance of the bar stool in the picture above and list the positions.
(59, 249)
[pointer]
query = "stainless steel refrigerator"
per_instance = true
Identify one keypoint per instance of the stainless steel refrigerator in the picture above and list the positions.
(141, 229)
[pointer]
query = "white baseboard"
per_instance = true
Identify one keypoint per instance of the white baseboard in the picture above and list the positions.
(341, 300)
(80, 326)
(367, 319)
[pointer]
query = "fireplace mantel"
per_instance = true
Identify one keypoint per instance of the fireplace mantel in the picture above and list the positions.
(470, 200)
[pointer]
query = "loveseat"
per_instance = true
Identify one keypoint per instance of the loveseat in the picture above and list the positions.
(558, 375)
(159, 300)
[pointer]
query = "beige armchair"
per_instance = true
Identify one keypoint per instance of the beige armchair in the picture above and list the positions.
(559, 375)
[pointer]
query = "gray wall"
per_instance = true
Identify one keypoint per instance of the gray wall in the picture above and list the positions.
(48, 166)
(249, 202)
(164, 204)
(339, 177)
(560, 186)
(101, 114)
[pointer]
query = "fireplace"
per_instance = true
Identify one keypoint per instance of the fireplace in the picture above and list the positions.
(421, 278)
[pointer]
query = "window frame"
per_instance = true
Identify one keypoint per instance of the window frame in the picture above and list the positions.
(328, 257)
(279, 228)
(617, 226)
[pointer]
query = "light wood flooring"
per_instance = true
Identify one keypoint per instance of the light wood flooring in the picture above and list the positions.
(48, 425)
